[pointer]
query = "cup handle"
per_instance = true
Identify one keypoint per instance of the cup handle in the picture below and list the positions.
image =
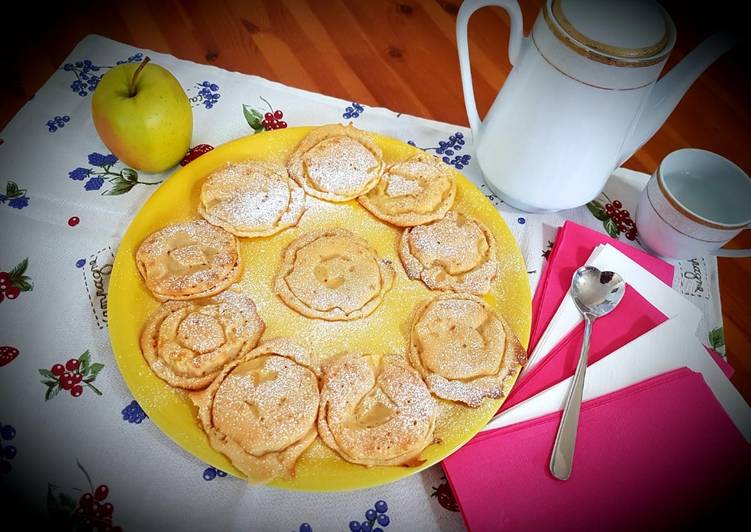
(514, 47)
(736, 253)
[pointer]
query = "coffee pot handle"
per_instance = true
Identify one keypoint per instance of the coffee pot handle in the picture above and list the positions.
(515, 41)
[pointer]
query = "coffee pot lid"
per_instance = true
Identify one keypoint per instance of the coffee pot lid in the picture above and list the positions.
(631, 30)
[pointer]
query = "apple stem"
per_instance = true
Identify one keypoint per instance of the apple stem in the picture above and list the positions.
(132, 91)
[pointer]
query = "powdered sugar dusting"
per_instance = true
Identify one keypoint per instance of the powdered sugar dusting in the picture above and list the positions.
(340, 165)
(192, 340)
(333, 275)
(419, 190)
(455, 253)
(454, 246)
(266, 404)
(375, 412)
(400, 186)
(392, 321)
(251, 199)
(259, 210)
(187, 259)
(463, 349)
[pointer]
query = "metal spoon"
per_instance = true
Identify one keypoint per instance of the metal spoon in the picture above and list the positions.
(595, 294)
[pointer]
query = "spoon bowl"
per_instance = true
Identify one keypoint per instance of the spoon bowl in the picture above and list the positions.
(596, 293)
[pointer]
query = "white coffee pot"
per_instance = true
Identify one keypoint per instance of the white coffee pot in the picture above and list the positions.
(583, 95)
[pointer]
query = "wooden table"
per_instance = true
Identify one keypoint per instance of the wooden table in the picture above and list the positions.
(399, 54)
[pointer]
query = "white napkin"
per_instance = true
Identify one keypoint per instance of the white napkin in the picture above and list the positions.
(606, 257)
(664, 348)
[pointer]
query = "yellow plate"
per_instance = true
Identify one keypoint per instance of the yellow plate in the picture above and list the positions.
(384, 331)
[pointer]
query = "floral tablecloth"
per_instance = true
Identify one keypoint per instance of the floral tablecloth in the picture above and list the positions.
(75, 445)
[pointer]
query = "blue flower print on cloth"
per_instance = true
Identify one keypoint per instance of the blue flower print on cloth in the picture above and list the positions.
(133, 413)
(7, 451)
(86, 78)
(87, 74)
(375, 519)
(210, 473)
(135, 58)
(353, 111)
(56, 123)
(208, 95)
(119, 182)
(449, 149)
(14, 197)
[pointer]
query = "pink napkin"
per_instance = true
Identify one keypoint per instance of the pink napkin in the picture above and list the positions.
(573, 246)
(652, 455)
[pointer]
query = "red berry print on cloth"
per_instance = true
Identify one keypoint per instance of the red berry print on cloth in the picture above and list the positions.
(8, 354)
(445, 496)
(15, 281)
(264, 121)
(615, 219)
(71, 376)
(195, 152)
(75, 510)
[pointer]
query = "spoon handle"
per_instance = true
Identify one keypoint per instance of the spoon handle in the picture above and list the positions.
(562, 458)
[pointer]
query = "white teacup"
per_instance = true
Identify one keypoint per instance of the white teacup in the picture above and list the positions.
(695, 202)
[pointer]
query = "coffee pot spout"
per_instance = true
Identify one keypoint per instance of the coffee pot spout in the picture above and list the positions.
(668, 91)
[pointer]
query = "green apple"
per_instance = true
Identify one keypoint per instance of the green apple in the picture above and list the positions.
(143, 116)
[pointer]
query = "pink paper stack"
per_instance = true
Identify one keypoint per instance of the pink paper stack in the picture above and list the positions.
(655, 454)
(635, 315)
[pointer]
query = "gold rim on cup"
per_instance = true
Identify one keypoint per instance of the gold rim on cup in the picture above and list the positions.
(678, 206)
